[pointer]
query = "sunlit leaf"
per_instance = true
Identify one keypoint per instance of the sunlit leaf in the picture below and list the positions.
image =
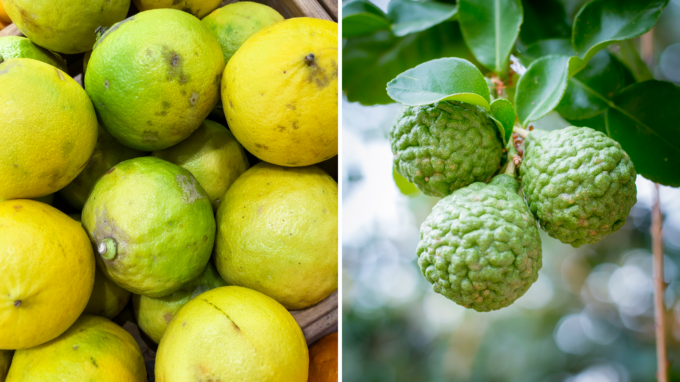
(540, 89)
(452, 79)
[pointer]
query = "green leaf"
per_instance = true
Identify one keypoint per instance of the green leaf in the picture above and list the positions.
(597, 122)
(629, 56)
(407, 188)
(589, 93)
(453, 79)
(541, 87)
(490, 28)
(644, 120)
(503, 114)
(602, 22)
(369, 63)
(545, 48)
(413, 16)
(362, 18)
(543, 19)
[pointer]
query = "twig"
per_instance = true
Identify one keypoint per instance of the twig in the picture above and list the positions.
(521, 132)
(659, 289)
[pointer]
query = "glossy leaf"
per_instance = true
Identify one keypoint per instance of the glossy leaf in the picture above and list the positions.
(543, 19)
(413, 16)
(645, 121)
(362, 18)
(453, 79)
(369, 63)
(545, 48)
(591, 90)
(490, 28)
(540, 89)
(596, 122)
(602, 22)
(503, 114)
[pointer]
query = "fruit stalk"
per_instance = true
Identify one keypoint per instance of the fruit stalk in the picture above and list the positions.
(521, 132)
(659, 289)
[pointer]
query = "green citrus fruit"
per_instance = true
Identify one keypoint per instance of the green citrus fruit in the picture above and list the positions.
(93, 349)
(213, 156)
(278, 233)
(107, 298)
(107, 153)
(152, 89)
(21, 47)
(49, 132)
(152, 225)
(232, 334)
(154, 314)
(234, 23)
(198, 8)
(65, 26)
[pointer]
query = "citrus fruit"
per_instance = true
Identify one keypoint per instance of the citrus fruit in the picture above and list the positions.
(235, 334)
(280, 92)
(154, 314)
(5, 355)
(152, 90)
(278, 234)
(4, 17)
(323, 359)
(49, 132)
(107, 153)
(48, 270)
(213, 156)
(152, 225)
(234, 23)
(47, 199)
(107, 298)
(21, 47)
(65, 26)
(198, 8)
(93, 349)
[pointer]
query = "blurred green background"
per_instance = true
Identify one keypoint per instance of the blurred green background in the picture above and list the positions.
(588, 318)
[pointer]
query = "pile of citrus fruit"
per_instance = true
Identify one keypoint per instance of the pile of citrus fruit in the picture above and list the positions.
(183, 176)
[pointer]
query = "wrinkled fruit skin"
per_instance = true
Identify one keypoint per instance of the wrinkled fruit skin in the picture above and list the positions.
(579, 183)
(445, 146)
(480, 246)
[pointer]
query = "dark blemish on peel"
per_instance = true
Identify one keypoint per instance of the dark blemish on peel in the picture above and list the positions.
(106, 84)
(17, 303)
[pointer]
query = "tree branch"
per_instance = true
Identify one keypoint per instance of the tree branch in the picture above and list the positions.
(659, 289)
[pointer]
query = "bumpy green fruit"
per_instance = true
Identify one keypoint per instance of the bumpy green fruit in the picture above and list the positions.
(480, 246)
(445, 146)
(578, 182)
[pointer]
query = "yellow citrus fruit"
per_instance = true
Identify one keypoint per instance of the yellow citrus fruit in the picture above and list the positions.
(4, 17)
(21, 47)
(280, 92)
(323, 359)
(5, 355)
(107, 153)
(234, 23)
(232, 334)
(107, 298)
(47, 199)
(152, 89)
(65, 26)
(213, 156)
(154, 314)
(198, 8)
(47, 269)
(49, 132)
(277, 233)
(152, 224)
(93, 349)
